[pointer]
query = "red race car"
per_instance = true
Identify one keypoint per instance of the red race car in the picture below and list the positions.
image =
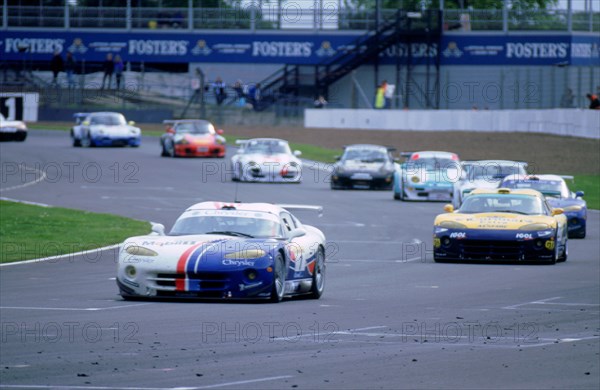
(192, 137)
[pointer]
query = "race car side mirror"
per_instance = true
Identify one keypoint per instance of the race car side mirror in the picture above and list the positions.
(299, 232)
(85, 123)
(337, 158)
(557, 211)
(158, 228)
(220, 132)
(297, 153)
(449, 208)
(579, 194)
(131, 123)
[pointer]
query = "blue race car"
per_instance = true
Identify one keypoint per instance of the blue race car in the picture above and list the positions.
(226, 251)
(558, 195)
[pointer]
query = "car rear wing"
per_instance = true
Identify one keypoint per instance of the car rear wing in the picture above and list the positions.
(294, 207)
(568, 177)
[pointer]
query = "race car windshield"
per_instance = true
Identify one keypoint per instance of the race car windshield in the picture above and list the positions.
(432, 163)
(107, 120)
(365, 155)
(274, 147)
(501, 203)
(195, 128)
(228, 225)
(492, 171)
(555, 188)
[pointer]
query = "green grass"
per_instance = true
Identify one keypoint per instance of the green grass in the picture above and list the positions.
(590, 184)
(48, 126)
(31, 232)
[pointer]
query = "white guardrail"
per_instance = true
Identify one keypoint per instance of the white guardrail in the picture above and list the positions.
(565, 122)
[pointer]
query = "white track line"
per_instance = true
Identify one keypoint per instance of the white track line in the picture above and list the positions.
(39, 179)
(225, 384)
(72, 308)
(57, 257)
(25, 202)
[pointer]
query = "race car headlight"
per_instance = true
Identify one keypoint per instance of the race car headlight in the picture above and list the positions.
(246, 254)
(439, 230)
(572, 208)
(220, 140)
(134, 130)
(545, 233)
(339, 169)
(180, 139)
(140, 251)
(452, 225)
(415, 179)
(535, 226)
(130, 271)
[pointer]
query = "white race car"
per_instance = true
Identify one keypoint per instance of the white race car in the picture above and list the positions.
(266, 160)
(226, 250)
(104, 129)
(12, 130)
(483, 174)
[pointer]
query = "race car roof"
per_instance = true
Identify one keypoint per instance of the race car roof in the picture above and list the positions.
(545, 177)
(498, 162)
(264, 207)
(507, 191)
(433, 153)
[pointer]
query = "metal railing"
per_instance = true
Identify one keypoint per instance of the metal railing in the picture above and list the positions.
(493, 20)
(250, 18)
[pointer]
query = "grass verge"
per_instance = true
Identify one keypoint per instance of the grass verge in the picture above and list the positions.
(590, 184)
(31, 232)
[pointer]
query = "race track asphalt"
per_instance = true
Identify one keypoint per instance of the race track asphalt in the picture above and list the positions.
(390, 317)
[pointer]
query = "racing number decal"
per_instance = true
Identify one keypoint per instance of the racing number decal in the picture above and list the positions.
(12, 107)
(296, 256)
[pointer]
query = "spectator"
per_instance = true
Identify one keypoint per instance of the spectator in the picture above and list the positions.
(56, 65)
(219, 89)
(567, 99)
(255, 96)
(108, 67)
(388, 94)
(320, 102)
(380, 96)
(238, 87)
(594, 101)
(118, 69)
(70, 69)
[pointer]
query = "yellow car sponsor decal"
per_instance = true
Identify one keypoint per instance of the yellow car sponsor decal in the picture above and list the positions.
(499, 221)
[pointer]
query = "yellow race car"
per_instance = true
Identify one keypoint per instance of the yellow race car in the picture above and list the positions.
(501, 225)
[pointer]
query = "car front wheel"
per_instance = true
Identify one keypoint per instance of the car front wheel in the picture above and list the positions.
(318, 276)
(278, 287)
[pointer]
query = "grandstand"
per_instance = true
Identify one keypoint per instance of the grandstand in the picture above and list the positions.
(173, 50)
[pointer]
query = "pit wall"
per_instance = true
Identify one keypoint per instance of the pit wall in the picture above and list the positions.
(564, 122)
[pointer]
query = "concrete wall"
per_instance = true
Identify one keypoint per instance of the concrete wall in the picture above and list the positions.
(569, 122)
(466, 87)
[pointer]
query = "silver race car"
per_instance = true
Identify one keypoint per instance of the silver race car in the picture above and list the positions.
(266, 160)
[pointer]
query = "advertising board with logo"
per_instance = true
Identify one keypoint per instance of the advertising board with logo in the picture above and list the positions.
(303, 49)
